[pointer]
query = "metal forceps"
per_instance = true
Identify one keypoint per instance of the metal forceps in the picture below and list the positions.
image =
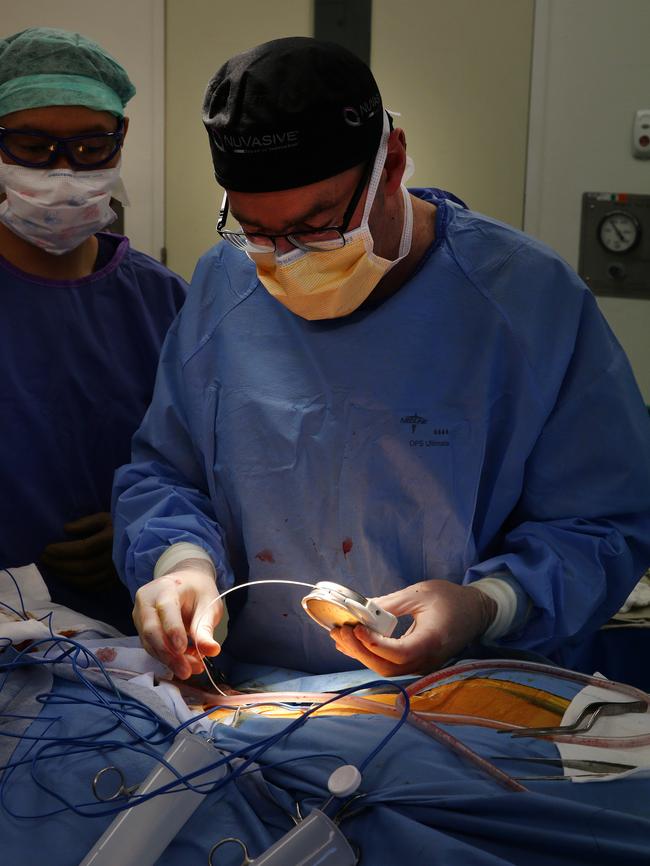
(589, 767)
(122, 789)
(586, 719)
(295, 818)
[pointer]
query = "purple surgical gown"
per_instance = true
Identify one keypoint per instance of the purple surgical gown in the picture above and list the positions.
(78, 361)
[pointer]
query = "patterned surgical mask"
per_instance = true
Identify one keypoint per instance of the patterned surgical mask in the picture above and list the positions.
(57, 209)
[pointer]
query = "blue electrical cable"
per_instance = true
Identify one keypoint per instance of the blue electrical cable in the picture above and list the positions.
(23, 659)
(258, 750)
(20, 595)
(122, 709)
(276, 764)
(13, 610)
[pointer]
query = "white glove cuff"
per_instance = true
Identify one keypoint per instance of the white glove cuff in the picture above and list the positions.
(177, 553)
(505, 597)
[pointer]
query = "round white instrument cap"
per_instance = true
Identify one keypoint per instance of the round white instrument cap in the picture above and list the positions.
(344, 781)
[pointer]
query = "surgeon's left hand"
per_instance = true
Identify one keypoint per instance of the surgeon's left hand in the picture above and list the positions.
(446, 618)
(86, 560)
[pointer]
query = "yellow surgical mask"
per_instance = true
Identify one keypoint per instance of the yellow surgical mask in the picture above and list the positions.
(334, 283)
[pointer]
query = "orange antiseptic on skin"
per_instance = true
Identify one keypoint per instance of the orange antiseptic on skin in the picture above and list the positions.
(479, 697)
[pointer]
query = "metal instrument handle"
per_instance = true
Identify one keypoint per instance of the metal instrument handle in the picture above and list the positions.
(245, 862)
(586, 719)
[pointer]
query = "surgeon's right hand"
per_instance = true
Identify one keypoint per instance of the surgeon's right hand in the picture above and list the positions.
(176, 614)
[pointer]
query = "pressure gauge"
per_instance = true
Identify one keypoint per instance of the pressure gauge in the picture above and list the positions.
(619, 231)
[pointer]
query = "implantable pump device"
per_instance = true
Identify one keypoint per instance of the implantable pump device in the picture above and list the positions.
(332, 605)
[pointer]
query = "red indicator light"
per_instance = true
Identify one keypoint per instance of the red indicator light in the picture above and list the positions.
(644, 140)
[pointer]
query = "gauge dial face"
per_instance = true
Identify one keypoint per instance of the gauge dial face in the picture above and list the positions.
(619, 232)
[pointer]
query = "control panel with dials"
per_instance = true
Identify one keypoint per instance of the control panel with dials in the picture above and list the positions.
(615, 244)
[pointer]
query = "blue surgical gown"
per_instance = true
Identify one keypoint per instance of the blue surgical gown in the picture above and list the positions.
(481, 420)
(78, 361)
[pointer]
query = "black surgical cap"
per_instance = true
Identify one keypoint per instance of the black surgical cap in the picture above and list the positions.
(291, 112)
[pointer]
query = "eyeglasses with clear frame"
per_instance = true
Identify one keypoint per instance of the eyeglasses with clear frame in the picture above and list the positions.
(309, 240)
(35, 149)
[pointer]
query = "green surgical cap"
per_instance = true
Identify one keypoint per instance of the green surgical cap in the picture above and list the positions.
(42, 66)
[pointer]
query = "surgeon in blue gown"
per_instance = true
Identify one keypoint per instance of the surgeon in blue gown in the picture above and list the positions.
(83, 315)
(375, 387)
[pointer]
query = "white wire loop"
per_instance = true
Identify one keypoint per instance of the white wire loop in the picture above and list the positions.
(223, 595)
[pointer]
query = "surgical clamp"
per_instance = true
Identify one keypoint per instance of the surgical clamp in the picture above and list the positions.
(121, 790)
(571, 763)
(585, 720)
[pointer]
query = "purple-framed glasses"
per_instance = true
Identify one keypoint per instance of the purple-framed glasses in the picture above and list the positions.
(36, 149)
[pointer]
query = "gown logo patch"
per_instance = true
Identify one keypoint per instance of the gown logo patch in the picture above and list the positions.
(415, 421)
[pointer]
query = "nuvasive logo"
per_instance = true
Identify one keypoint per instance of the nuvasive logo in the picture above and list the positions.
(253, 143)
(356, 115)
